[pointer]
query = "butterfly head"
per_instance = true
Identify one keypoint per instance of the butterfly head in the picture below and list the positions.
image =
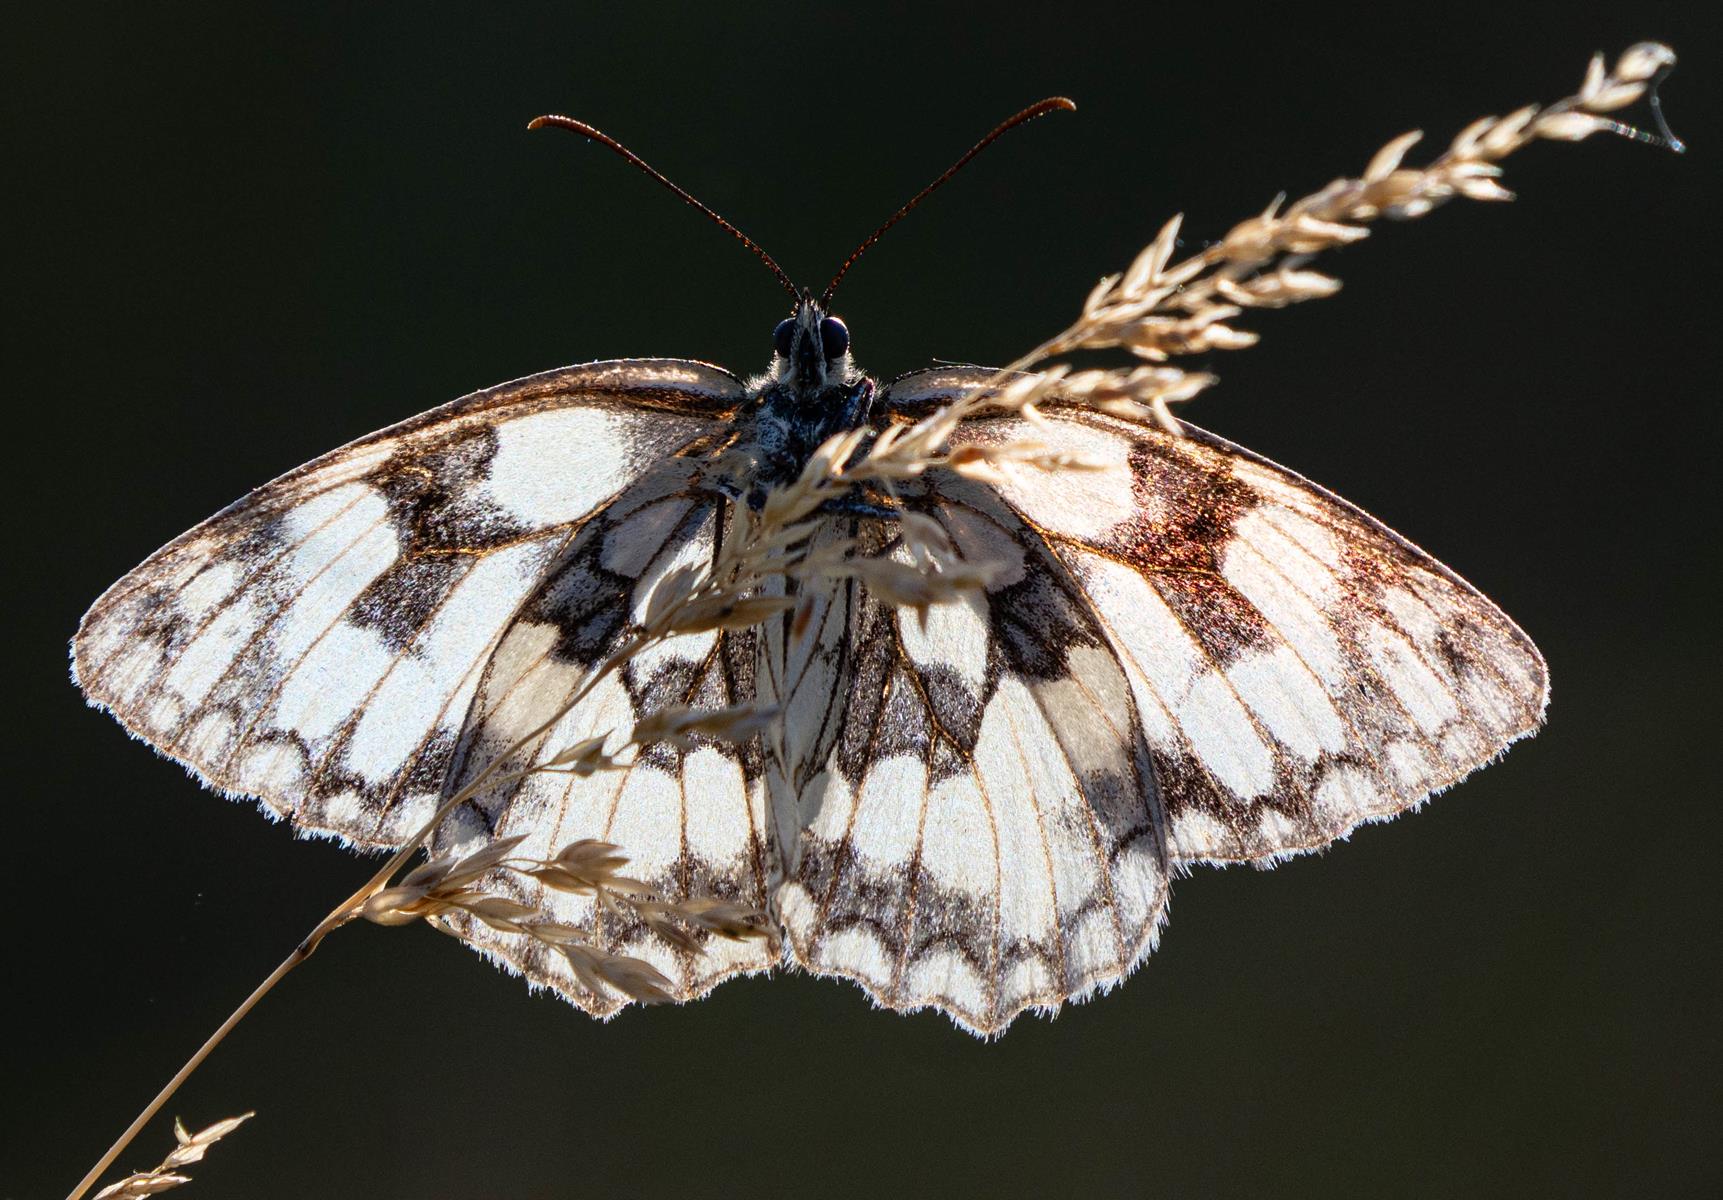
(811, 350)
(810, 391)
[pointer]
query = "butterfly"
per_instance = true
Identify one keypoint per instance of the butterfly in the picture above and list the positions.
(1186, 654)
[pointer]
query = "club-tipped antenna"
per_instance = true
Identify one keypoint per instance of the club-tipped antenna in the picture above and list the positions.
(1041, 108)
(604, 139)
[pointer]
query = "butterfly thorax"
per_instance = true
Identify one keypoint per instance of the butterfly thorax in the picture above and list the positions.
(810, 391)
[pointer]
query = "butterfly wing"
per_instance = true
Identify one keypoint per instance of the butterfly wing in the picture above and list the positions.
(977, 837)
(1189, 655)
(317, 644)
(1297, 667)
(693, 822)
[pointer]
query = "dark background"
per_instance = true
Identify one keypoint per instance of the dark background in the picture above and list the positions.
(251, 232)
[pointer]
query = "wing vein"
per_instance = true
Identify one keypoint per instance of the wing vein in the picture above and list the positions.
(256, 635)
(259, 576)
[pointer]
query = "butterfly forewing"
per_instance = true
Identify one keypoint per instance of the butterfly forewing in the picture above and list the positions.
(1297, 668)
(316, 645)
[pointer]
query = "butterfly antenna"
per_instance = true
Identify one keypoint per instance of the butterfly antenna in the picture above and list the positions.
(1051, 104)
(604, 139)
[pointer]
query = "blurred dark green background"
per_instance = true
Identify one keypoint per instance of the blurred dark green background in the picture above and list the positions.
(242, 234)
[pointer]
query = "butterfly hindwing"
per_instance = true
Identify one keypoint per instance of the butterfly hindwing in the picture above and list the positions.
(316, 644)
(1297, 667)
(693, 822)
(979, 839)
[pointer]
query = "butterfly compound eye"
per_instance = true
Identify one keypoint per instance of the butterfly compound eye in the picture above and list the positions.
(782, 336)
(834, 337)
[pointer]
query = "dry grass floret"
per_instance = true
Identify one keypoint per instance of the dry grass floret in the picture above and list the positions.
(586, 867)
(1157, 309)
(169, 1173)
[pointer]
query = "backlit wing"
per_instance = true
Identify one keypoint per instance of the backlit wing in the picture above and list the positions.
(1190, 654)
(979, 836)
(1296, 667)
(317, 644)
(693, 822)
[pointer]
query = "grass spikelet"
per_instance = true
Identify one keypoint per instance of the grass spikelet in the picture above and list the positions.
(1159, 310)
(168, 1174)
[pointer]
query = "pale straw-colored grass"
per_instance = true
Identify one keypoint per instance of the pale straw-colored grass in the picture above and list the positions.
(188, 1148)
(1156, 309)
